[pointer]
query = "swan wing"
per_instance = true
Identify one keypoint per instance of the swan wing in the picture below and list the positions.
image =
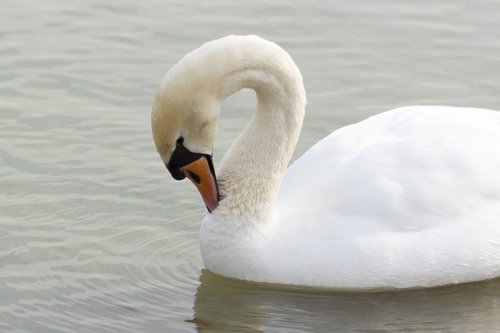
(408, 167)
(409, 197)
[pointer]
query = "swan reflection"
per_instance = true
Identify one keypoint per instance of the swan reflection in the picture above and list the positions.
(226, 305)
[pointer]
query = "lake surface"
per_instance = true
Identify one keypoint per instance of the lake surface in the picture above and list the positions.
(95, 236)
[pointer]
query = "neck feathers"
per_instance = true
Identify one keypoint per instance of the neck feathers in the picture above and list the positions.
(251, 172)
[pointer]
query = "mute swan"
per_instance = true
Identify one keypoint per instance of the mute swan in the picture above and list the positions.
(406, 198)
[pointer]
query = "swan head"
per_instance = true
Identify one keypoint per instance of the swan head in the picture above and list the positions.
(184, 119)
(188, 102)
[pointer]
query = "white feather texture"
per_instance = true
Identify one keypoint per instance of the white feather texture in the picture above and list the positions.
(407, 198)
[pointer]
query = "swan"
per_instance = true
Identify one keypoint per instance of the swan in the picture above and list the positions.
(408, 198)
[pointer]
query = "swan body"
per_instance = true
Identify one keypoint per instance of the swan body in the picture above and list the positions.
(407, 198)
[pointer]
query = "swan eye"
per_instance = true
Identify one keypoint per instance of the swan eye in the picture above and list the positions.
(179, 141)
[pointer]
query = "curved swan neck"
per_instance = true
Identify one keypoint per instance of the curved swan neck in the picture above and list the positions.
(251, 171)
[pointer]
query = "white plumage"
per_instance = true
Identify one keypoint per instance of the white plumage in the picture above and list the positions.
(406, 198)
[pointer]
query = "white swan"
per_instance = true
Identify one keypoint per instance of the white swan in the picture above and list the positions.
(407, 198)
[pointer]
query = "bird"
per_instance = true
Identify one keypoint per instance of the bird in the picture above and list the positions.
(407, 198)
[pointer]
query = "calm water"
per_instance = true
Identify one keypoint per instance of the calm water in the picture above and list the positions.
(94, 234)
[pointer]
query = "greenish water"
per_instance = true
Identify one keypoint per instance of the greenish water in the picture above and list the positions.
(94, 234)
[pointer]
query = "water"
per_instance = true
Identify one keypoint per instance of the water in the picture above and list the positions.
(94, 234)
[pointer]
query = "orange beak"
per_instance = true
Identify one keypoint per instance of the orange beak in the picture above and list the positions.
(200, 173)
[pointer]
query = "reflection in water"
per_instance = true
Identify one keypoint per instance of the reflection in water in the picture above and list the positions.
(226, 305)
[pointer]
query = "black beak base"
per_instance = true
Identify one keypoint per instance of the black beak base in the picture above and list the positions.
(181, 157)
(183, 163)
